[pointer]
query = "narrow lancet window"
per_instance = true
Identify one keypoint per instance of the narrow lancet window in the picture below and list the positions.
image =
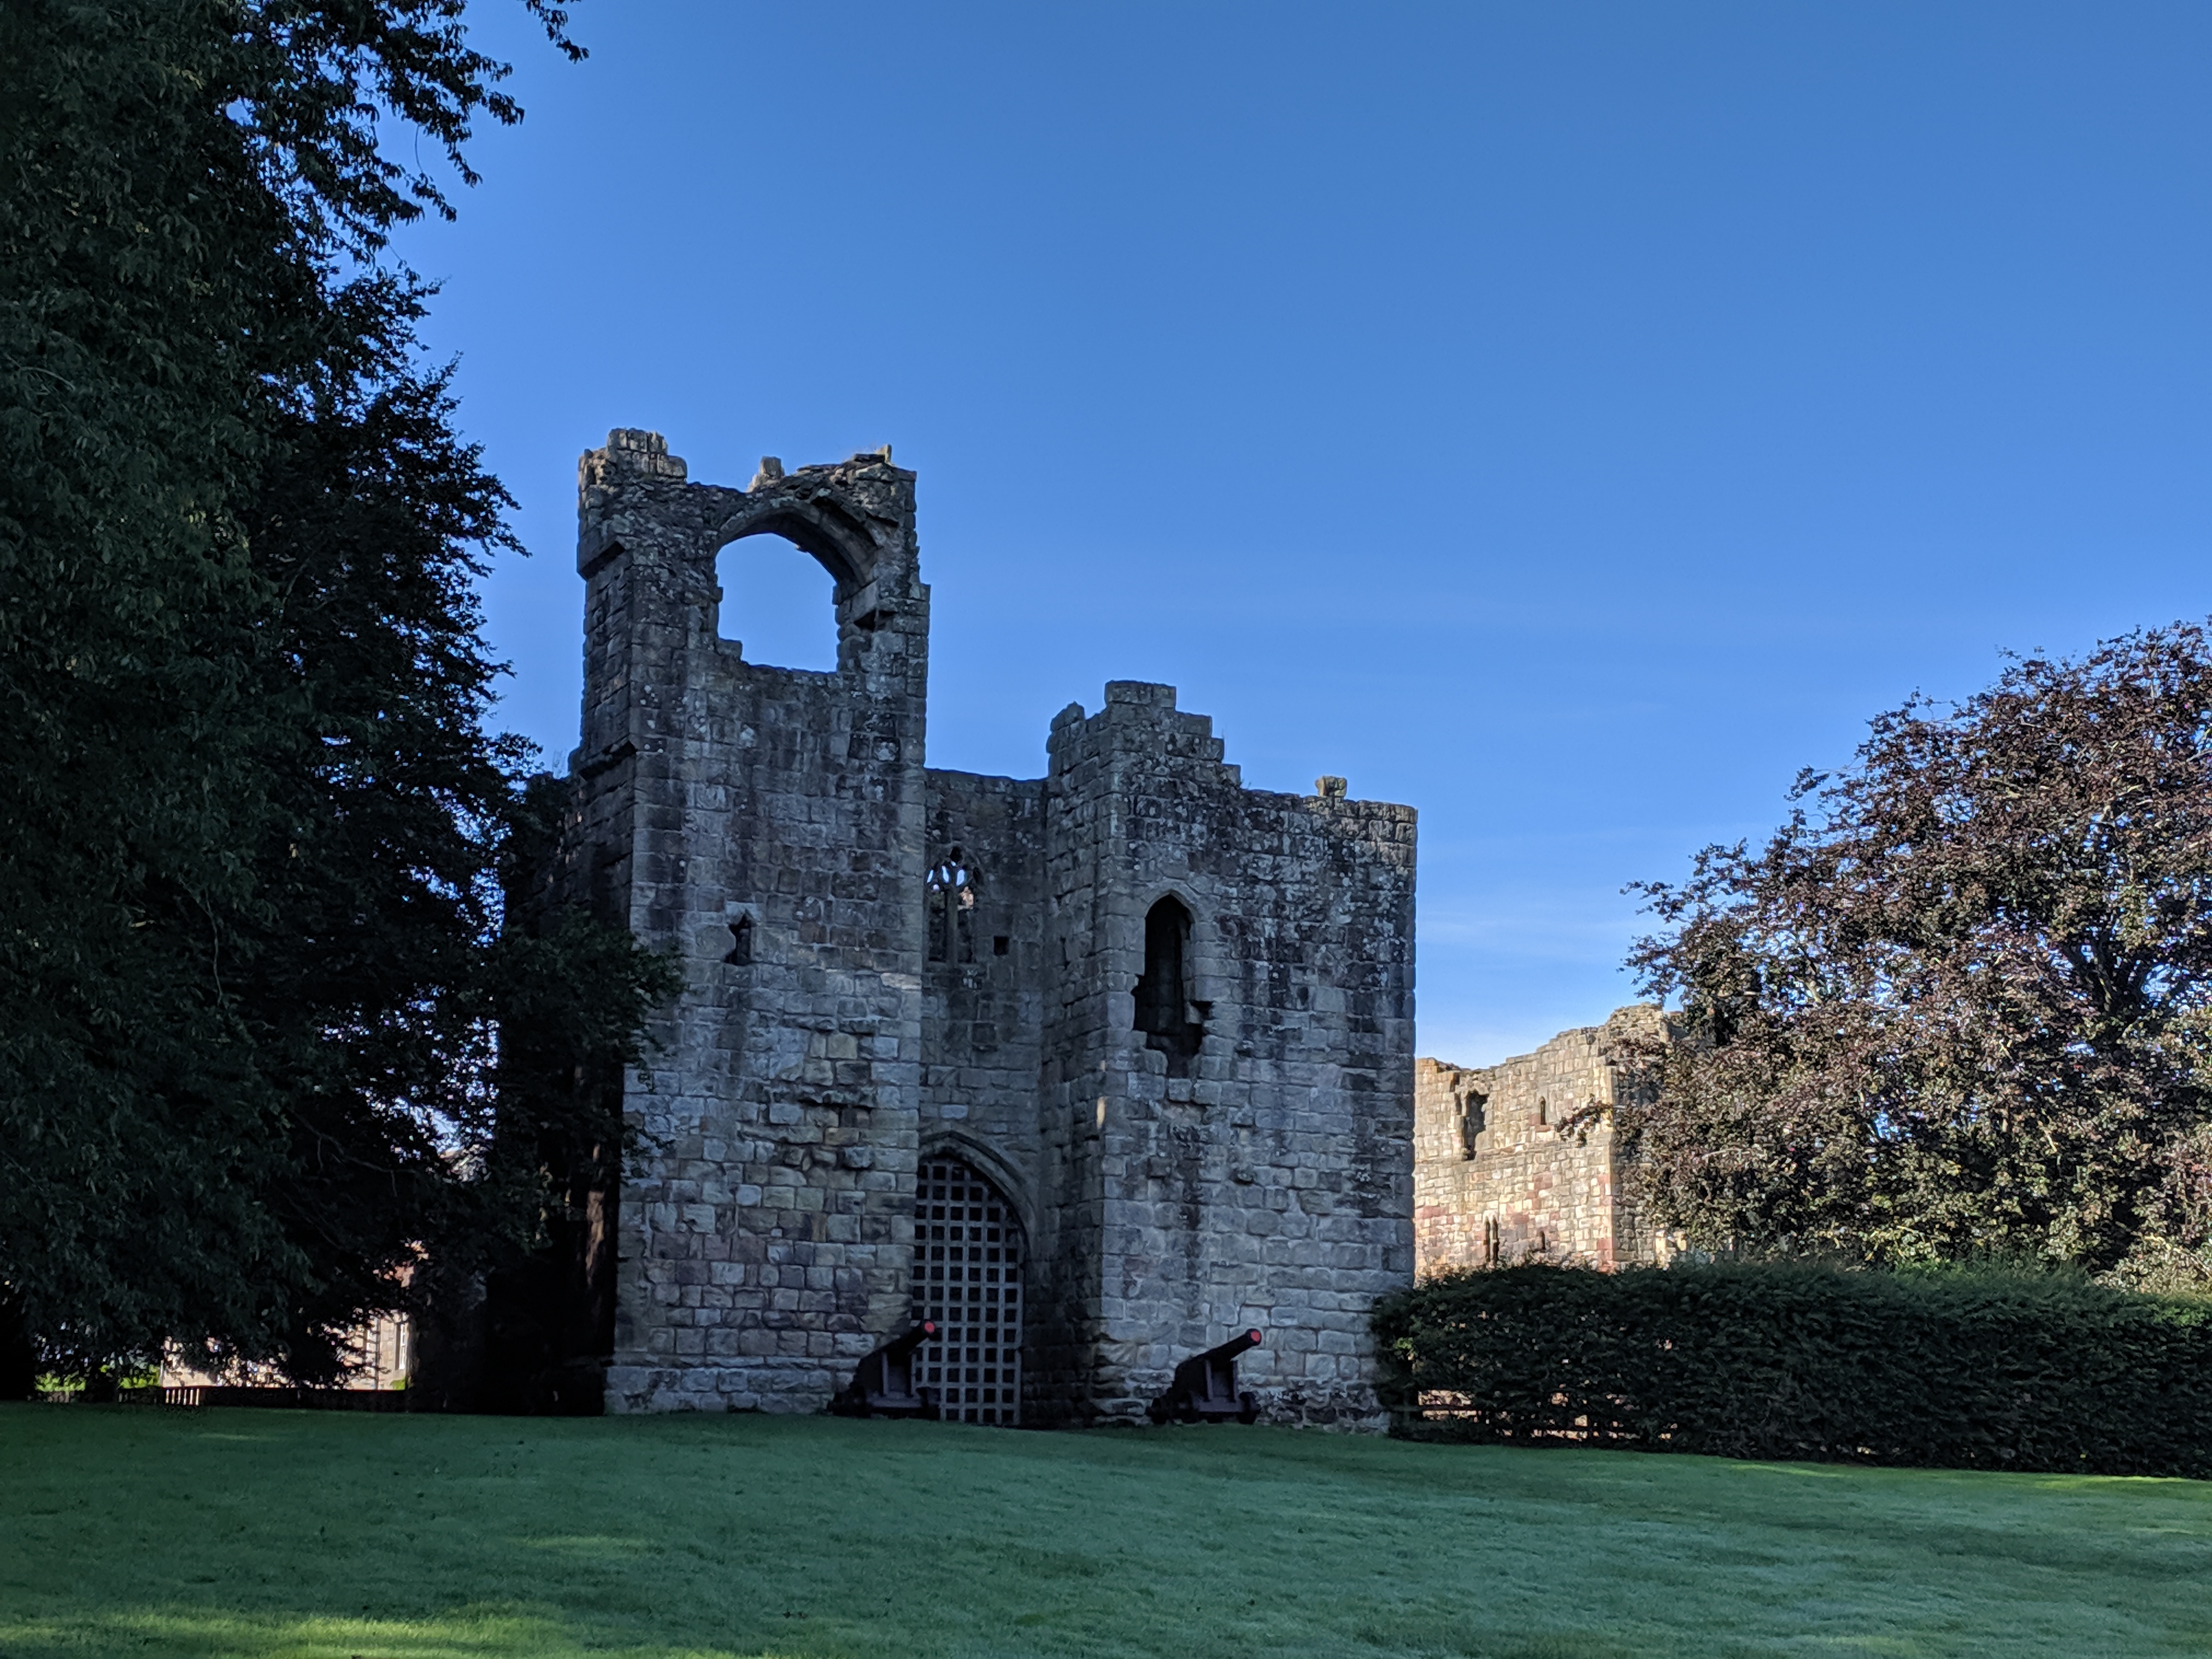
(1171, 1021)
(1474, 1117)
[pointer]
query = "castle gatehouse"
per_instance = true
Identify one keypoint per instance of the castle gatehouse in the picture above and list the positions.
(1093, 1069)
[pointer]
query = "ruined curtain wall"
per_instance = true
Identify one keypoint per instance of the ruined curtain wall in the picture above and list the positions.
(1516, 1162)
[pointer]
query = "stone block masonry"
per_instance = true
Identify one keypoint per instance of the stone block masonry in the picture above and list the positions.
(1517, 1162)
(1155, 1027)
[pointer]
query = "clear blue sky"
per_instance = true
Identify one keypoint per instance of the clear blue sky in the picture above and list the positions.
(1569, 419)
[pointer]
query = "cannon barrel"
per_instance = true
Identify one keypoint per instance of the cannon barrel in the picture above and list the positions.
(1229, 1349)
(900, 1346)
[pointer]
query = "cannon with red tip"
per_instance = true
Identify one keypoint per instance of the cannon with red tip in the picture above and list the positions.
(1205, 1387)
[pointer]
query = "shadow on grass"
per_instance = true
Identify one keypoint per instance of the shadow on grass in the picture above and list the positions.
(220, 1635)
(1436, 1639)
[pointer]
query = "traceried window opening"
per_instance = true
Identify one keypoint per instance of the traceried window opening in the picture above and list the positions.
(952, 908)
(1171, 1022)
(968, 1278)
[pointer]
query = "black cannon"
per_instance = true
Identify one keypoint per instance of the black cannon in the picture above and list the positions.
(1205, 1387)
(883, 1383)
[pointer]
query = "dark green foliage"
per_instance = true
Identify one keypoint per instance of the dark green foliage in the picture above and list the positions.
(1961, 1003)
(129, 620)
(573, 993)
(253, 972)
(1955, 1368)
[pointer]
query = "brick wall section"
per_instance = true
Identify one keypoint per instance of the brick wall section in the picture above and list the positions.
(1539, 1178)
(764, 1231)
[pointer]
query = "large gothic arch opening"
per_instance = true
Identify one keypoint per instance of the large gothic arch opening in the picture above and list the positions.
(778, 603)
(968, 1253)
(824, 526)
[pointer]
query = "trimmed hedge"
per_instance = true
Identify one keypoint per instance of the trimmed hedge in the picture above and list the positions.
(1952, 1369)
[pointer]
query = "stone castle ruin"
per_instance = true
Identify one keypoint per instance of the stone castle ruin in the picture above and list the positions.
(1517, 1162)
(1095, 1069)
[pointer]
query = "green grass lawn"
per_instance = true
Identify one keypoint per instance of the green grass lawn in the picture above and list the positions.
(138, 1531)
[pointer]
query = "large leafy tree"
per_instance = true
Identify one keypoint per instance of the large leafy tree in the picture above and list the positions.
(1961, 1002)
(250, 820)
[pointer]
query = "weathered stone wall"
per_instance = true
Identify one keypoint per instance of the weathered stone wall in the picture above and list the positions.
(1516, 1162)
(983, 1002)
(1270, 1186)
(1248, 1162)
(763, 1238)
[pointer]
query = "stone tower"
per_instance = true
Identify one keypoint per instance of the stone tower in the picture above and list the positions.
(1094, 1069)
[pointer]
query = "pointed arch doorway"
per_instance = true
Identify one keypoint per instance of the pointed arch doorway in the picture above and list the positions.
(968, 1251)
